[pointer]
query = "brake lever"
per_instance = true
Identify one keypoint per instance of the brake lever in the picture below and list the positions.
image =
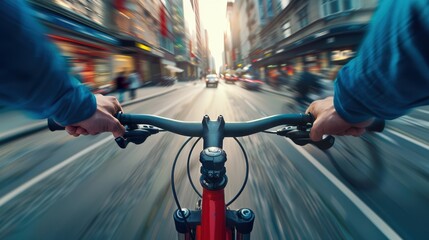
(135, 134)
(301, 136)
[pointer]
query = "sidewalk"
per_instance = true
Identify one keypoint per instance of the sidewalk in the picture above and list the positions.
(16, 124)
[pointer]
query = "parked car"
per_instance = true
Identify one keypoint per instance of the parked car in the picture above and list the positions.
(212, 80)
(229, 78)
(250, 82)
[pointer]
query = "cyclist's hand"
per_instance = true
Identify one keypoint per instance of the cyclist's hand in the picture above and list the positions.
(101, 121)
(329, 122)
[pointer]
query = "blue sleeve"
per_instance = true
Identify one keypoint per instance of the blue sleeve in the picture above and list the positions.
(390, 74)
(33, 75)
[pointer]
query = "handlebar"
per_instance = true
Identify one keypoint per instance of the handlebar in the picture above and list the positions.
(297, 129)
(233, 129)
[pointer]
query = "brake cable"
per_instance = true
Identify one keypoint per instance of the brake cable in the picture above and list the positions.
(245, 177)
(176, 199)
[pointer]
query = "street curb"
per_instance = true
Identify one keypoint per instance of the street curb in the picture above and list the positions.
(21, 132)
(39, 126)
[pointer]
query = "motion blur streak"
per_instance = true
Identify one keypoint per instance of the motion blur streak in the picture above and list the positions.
(368, 188)
(50, 171)
(373, 217)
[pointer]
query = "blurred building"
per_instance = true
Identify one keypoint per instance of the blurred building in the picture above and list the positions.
(205, 55)
(319, 34)
(288, 34)
(100, 38)
(182, 56)
(196, 42)
(227, 39)
(137, 26)
(245, 19)
(81, 32)
(189, 48)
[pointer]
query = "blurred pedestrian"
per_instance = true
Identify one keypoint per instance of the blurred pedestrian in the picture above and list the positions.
(134, 83)
(121, 85)
(35, 77)
(307, 83)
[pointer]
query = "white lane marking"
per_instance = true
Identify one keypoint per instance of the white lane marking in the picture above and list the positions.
(389, 139)
(423, 111)
(371, 215)
(9, 196)
(250, 105)
(413, 121)
(50, 171)
(253, 107)
(414, 141)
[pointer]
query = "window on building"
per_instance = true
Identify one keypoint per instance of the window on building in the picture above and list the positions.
(330, 7)
(286, 29)
(303, 17)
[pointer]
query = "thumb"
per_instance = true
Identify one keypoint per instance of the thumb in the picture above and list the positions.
(116, 128)
(316, 132)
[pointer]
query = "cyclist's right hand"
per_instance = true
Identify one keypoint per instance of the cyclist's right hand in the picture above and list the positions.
(327, 121)
(102, 120)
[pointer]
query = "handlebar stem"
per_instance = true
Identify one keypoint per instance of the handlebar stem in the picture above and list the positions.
(213, 132)
(213, 171)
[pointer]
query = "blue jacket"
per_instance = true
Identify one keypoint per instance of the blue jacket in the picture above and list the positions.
(390, 74)
(33, 75)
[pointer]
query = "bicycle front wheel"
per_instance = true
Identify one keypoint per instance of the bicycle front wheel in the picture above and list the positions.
(357, 160)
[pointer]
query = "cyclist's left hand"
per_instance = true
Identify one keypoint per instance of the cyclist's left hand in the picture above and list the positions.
(328, 121)
(102, 120)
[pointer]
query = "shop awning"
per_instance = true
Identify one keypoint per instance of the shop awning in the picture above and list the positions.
(173, 68)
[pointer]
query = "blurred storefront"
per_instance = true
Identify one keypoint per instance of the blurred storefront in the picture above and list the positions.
(88, 51)
(141, 57)
(123, 63)
(92, 62)
(322, 52)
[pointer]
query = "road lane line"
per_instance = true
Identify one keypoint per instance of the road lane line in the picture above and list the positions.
(388, 139)
(371, 215)
(423, 111)
(12, 194)
(250, 105)
(408, 120)
(414, 141)
(45, 174)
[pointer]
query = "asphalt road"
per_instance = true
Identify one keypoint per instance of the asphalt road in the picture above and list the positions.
(53, 186)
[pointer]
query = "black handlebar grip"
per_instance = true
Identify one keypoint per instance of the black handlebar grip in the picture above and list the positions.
(325, 143)
(53, 126)
(377, 126)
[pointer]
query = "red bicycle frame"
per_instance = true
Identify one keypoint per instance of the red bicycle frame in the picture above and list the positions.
(213, 216)
(214, 221)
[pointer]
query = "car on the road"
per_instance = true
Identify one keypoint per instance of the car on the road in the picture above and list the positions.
(230, 78)
(212, 80)
(250, 82)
